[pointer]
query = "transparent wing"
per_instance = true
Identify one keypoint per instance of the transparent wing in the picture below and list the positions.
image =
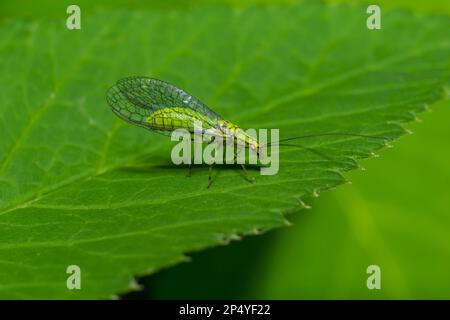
(135, 98)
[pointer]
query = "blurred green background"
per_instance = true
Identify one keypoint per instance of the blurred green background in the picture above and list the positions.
(395, 215)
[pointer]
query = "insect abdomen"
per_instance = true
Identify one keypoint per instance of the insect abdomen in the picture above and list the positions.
(169, 119)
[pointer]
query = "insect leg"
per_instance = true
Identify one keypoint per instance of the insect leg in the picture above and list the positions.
(211, 166)
(190, 163)
(190, 170)
(247, 177)
(210, 176)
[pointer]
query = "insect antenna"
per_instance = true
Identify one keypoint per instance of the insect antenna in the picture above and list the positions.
(327, 134)
(315, 151)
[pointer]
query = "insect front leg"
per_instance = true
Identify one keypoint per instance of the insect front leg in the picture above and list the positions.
(246, 176)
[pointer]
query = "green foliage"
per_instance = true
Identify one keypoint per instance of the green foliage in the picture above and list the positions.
(78, 186)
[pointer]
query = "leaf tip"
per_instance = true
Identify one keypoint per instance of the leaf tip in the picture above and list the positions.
(256, 231)
(184, 258)
(134, 286)
(303, 204)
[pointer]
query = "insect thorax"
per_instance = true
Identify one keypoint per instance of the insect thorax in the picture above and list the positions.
(231, 130)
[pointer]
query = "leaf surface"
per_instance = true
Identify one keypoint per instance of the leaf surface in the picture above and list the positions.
(80, 187)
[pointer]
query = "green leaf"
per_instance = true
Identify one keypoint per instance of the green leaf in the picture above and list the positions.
(80, 187)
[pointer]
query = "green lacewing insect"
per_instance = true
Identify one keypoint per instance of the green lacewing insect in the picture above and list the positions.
(162, 107)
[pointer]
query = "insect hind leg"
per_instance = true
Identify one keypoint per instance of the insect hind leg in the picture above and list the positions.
(246, 176)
